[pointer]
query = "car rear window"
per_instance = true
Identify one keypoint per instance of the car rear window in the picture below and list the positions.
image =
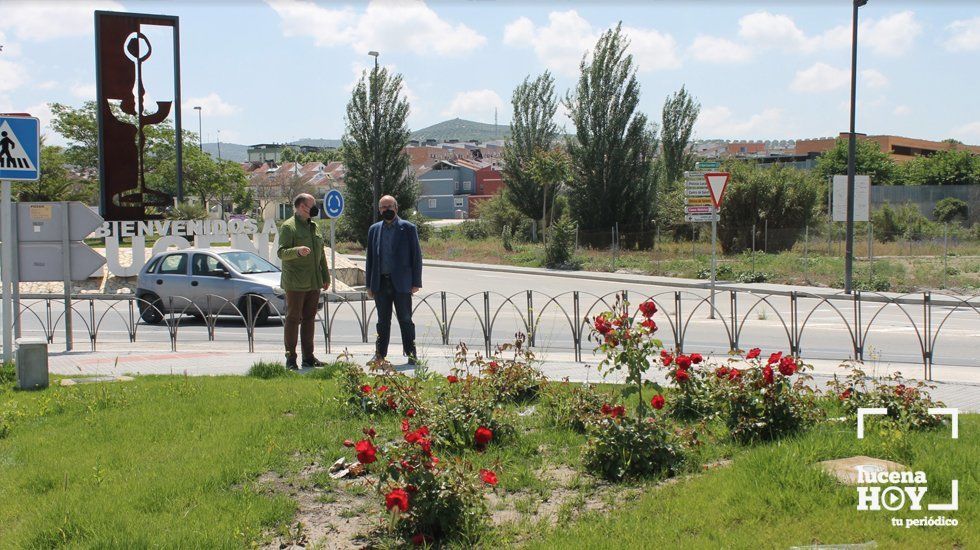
(174, 264)
(153, 265)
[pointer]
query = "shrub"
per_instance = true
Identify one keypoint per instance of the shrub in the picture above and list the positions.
(421, 224)
(8, 374)
(627, 447)
(574, 406)
(696, 391)
(785, 197)
(187, 211)
(765, 401)
(500, 215)
(426, 499)
(465, 415)
(513, 380)
(908, 404)
(904, 221)
(951, 210)
(474, 230)
(267, 371)
(387, 393)
(560, 249)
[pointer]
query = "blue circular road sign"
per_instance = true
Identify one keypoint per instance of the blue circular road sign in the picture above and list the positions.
(333, 203)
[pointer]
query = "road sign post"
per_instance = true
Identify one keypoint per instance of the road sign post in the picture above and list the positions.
(333, 206)
(703, 192)
(20, 160)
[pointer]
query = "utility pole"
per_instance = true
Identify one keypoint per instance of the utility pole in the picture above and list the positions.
(851, 154)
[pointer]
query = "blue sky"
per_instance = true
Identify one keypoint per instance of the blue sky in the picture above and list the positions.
(280, 70)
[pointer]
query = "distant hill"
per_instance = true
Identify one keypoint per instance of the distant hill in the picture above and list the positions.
(229, 151)
(463, 130)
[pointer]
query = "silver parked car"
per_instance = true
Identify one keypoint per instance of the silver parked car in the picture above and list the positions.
(206, 281)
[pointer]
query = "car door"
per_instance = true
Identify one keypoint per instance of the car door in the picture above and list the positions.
(171, 282)
(208, 279)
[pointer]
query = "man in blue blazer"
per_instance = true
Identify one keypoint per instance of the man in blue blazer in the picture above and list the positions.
(394, 273)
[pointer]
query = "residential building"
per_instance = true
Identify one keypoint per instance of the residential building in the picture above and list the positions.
(900, 149)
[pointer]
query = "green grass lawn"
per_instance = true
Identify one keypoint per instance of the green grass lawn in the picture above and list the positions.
(176, 462)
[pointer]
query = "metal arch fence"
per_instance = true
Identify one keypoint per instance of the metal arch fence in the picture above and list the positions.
(493, 317)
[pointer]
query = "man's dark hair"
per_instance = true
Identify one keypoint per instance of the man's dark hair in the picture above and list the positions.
(300, 199)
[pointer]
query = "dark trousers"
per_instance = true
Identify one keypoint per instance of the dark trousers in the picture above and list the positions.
(383, 301)
(300, 317)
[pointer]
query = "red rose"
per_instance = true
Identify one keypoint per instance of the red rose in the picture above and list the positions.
(410, 413)
(382, 389)
(696, 358)
(397, 497)
(666, 358)
(649, 325)
(787, 366)
(483, 436)
(348, 443)
(753, 353)
(721, 372)
(611, 340)
(391, 403)
(767, 374)
(370, 432)
(404, 425)
(412, 437)
(366, 453)
(683, 362)
(618, 411)
(657, 402)
(493, 367)
(606, 409)
(488, 477)
(846, 394)
(899, 390)
(681, 375)
(365, 389)
(424, 430)
(602, 326)
(452, 379)
(775, 357)
(648, 308)
(419, 539)
(734, 374)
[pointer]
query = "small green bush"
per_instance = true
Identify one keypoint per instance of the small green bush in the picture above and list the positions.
(268, 371)
(627, 447)
(560, 249)
(951, 210)
(574, 406)
(8, 374)
(907, 402)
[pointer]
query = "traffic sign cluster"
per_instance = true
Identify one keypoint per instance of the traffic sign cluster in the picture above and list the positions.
(703, 191)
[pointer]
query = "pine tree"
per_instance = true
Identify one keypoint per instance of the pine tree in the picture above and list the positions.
(613, 144)
(373, 151)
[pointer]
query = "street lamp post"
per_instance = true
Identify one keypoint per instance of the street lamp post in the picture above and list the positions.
(851, 154)
(375, 169)
(200, 136)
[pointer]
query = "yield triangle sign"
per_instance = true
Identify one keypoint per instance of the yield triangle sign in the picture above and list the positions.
(717, 182)
(13, 156)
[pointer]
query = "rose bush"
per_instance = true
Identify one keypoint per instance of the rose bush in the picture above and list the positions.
(459, 411)
(387, 392)
(512, 379)
(625, 447)
(697, 393)
(574, 406)
(907, 403)
(767, 400)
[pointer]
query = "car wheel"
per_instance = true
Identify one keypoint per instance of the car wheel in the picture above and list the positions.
(150, 308)
(260, 309)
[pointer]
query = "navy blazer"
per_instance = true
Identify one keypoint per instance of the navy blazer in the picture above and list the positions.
(406, 266)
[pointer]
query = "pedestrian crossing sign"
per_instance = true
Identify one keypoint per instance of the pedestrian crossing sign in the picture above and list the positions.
(20, 148)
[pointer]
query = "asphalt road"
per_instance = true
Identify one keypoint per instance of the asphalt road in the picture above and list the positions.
(896, 334)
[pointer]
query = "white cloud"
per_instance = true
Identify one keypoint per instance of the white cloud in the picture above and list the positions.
(965, 35)
(719, 122)
(718, 50)
(891, 36)
(771, 30)
(561, 44)
(12, 75)
(48, 85)
(84, 91)
(874, 78)
(820, 78)
(902, 110)
(969, 131)
(358, 68)
(8, 49)
(211, 105)
(474, 105)
(385, 25)
(39, 21)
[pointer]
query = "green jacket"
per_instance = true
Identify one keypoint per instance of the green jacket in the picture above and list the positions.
(302, 272)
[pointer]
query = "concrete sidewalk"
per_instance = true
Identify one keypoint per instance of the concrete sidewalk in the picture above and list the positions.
(960, 386)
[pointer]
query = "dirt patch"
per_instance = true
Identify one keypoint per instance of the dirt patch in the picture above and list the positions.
(331, 516)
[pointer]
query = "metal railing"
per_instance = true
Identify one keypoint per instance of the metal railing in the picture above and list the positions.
(492, 316)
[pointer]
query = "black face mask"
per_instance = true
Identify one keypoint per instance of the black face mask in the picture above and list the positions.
(314, 211)
(388, 215)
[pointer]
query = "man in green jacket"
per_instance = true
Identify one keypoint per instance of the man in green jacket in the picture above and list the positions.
(304, 274)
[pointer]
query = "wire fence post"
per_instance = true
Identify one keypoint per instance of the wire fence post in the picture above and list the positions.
(871, 258)
(765, 237)
(945, 253)
(806, 250)
(753, 248)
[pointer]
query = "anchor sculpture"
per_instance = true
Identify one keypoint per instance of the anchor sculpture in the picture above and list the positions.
(138, 49)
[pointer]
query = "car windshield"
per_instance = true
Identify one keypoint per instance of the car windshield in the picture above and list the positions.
(247, 262)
